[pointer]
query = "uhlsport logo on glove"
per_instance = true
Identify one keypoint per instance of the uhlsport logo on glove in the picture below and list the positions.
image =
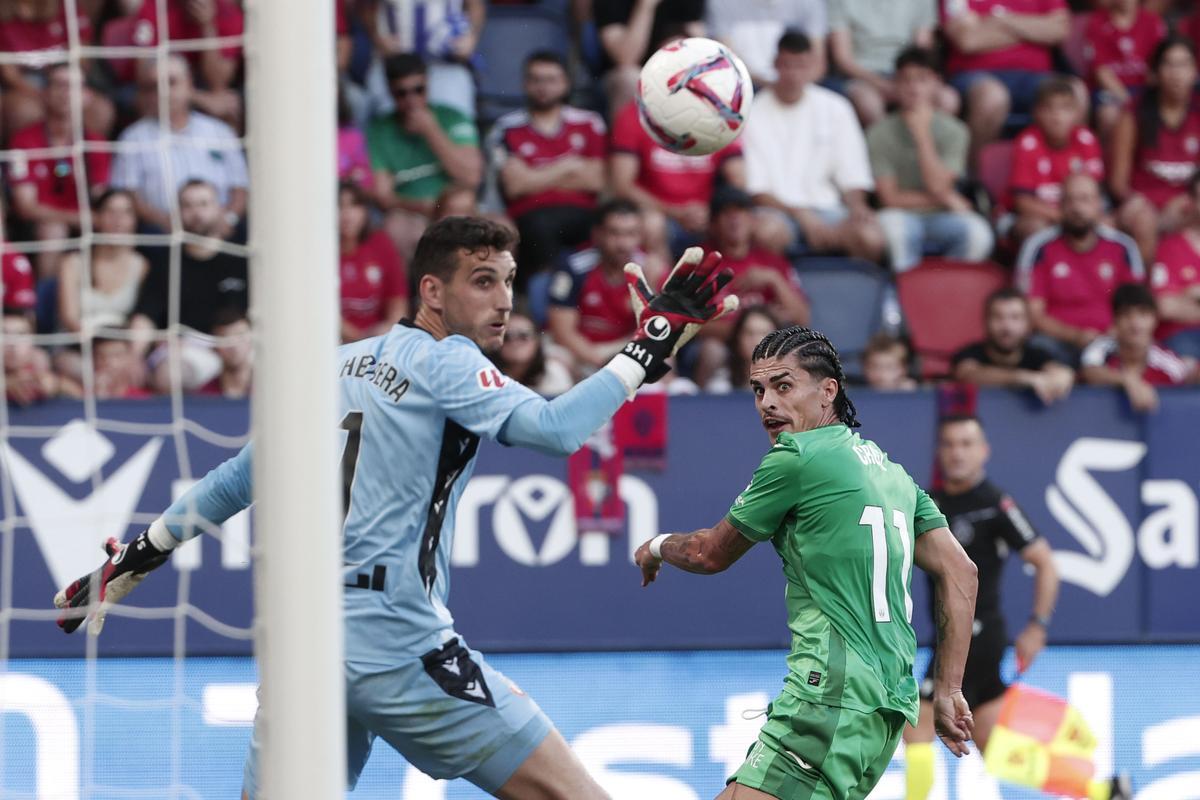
(657, 328)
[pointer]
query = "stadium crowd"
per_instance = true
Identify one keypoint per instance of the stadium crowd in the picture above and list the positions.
(1043, 150)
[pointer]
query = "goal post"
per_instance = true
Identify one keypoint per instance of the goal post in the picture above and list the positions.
(291, 113)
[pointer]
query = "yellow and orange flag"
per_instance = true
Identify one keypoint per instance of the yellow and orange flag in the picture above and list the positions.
(1043, 742)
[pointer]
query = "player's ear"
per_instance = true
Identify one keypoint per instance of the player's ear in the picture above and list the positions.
(432, 292)
(829, 389)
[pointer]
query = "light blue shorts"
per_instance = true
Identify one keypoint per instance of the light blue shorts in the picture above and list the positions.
(448, 713)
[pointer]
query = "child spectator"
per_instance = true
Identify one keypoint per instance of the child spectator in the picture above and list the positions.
(887, 363)
(1175, 281)
(523, 358)
(28, 377)
(235, 348)
(374, 293)
(1155, 147)
(1119, 39)
(1129, 358)
(116, 375)
(1046, 152)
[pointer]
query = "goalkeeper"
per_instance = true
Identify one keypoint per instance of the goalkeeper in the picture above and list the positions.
(848, 524)
(414, 404)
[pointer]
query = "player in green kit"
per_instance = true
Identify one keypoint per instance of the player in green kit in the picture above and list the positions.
(848, 524)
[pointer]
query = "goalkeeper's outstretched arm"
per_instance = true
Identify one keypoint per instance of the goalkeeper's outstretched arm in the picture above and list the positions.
(222, 493)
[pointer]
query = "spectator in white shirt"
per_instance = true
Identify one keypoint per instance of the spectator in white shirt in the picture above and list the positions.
(155, 161)
(806, 163)
(753, 27)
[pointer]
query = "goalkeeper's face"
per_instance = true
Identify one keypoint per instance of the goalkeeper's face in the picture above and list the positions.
(789, 398)
(477, 301)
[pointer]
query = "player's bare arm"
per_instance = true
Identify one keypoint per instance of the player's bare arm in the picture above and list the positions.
(939, 554)
(703, 552)
(1045, 593)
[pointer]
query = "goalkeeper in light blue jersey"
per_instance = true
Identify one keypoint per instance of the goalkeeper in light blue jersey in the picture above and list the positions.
(414, 404)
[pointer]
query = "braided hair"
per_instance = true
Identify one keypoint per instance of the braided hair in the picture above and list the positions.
(817, 356)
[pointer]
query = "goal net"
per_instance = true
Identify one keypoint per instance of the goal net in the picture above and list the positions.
(128, 324)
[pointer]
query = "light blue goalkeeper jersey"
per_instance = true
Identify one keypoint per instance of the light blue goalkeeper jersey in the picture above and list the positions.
(412, 411)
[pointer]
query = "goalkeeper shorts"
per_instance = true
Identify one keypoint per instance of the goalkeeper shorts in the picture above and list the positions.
(448, 713)
(809, 751)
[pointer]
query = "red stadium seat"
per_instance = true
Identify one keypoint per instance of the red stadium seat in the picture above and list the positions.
(942, 302)
(995, 164)
(1073, 46)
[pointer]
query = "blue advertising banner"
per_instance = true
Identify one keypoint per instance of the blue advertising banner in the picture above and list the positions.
(1114, 493)
(668, 726)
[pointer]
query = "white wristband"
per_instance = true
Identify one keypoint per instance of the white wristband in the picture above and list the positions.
(656, 545)
(160, 537)
(629, 372)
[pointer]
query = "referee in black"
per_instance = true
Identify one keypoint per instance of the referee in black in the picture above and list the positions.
(989, 526)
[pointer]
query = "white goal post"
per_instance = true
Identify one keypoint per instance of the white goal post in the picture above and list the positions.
(291, 113)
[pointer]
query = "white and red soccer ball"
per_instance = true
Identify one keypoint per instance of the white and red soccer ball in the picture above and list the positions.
(694, 96)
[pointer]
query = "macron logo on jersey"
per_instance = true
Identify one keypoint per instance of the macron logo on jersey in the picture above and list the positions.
(491, 379)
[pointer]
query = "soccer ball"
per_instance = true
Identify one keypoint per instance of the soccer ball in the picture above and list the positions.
(694, 96)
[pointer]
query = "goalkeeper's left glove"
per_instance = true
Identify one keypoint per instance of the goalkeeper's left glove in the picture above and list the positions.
(669, 319)
(125, 568)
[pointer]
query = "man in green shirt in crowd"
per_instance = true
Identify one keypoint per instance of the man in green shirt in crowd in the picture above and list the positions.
(418, 151)
(848, 524)
(918, 154)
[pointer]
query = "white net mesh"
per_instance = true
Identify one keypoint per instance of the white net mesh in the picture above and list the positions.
(74, 473)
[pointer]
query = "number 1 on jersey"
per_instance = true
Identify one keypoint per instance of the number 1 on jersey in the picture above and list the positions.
(872, 516)
(352, 424)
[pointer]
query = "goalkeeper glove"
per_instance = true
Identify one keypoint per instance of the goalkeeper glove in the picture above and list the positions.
(669, 319)
(125, 568)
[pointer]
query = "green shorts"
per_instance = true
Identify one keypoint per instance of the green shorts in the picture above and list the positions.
(807, 751)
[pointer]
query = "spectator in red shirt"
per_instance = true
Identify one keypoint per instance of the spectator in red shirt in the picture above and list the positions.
(214, 68)
(761, 278)
(672, 190)
(1175, 281)
(1045, 153)
(45, 192)
(550, 164)
(590, 313)
(115, 373)
(16, 272)
(1129, 358)
(1000, 52)
(1155, 147)
(30, 27)
(1119, 38)
(1069, 271)
(374, 292)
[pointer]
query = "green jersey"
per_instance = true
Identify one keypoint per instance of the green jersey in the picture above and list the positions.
(417, 174)
(844, 519)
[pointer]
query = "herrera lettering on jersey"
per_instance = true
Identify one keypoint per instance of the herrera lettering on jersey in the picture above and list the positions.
(381, 374)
